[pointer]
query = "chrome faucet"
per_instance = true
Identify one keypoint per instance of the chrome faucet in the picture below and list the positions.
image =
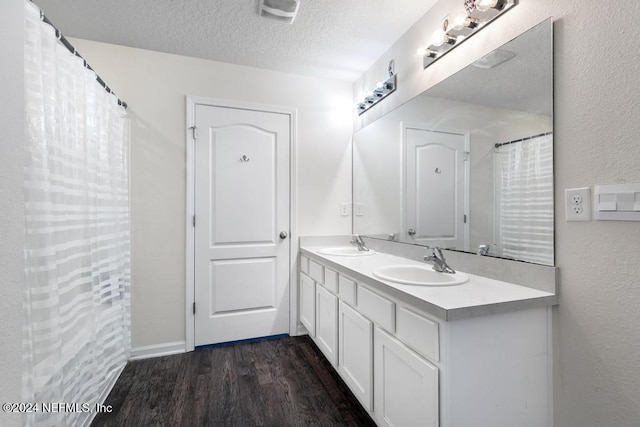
(483, 249)
(437, 260)
(357, 241)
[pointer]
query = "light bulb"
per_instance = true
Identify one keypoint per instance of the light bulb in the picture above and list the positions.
(464, 21)
(421, 51)
(439, 38)
(379, 85)
(484, 5)
(458, 18)
(457, 23)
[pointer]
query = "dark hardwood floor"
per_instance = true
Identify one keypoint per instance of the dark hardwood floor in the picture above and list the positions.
(278, 382)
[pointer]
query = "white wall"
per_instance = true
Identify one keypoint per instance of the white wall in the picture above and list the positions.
(155, 86)
(596, 325)
(11, 204)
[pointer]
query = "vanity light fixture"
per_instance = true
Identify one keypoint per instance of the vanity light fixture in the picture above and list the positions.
(282, 10)
(382, 90)
(462, 23)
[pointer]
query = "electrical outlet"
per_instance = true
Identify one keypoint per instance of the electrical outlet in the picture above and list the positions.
(578, 204)
(344, 209)
(359, 209)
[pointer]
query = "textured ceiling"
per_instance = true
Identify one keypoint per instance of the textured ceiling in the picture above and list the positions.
(337, 39)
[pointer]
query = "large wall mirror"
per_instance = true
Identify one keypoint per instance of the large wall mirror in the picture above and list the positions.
(468, 164)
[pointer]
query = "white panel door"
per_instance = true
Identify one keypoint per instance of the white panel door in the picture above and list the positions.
(435, 186)
(406, 385)
(355, 353)
(241, 207)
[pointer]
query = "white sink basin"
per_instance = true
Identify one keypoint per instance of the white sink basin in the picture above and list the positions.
(418, 275)
(345, 251)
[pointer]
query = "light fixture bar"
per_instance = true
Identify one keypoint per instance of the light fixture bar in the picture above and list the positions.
(381, 91)
(283, 10)
(458, 29)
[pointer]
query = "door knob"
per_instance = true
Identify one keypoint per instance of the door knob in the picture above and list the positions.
(283, 235)
(411, 232)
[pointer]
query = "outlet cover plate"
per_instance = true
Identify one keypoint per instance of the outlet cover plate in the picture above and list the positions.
(578, 204)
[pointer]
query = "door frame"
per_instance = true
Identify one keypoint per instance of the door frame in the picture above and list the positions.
(403, 169)
(191, 102)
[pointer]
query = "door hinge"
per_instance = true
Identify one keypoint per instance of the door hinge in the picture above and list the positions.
(465, 218)
(194, 308)
(194, 220)
(194, 132)
(466, 156)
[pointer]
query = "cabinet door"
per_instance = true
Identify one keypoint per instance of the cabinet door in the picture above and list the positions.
(355, 336)
(308, 304)
(406, 385)
(327, 324)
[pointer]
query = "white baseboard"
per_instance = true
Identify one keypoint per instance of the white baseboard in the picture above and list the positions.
(157, 350)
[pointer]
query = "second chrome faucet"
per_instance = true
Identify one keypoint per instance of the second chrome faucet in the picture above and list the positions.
(357, 241)
(437, 260)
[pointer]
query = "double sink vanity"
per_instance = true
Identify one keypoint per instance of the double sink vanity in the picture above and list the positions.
(465, 165)
(423, 348)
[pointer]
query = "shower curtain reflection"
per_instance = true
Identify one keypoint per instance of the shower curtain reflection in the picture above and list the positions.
(524, 199)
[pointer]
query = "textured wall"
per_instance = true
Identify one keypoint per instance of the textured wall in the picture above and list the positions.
(597, 105)
(155, 86)
(11, 204)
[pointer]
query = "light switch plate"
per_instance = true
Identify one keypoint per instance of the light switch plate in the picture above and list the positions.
(578, 204)
(617, 202)
(344, 209)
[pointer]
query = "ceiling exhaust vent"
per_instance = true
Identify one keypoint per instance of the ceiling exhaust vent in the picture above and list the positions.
(282, 10)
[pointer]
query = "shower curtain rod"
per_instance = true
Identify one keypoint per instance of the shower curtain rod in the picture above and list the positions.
(500, 144)
(73, 50)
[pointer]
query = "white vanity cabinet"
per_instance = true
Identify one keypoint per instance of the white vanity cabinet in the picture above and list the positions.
(319, 306)
(408, 367)
(327, 324)
(406, 385)
(355, 348)
(308, 304)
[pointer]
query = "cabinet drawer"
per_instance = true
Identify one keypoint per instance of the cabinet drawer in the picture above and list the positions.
(418, 332)
(376, 308)
(331, 280)
(316, 271)
(347, 290)
(304, 264)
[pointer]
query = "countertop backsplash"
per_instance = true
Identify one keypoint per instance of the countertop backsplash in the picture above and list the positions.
(535, 276)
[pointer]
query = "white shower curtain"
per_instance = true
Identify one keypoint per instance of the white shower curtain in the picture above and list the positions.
(524, 193)
(76, 294)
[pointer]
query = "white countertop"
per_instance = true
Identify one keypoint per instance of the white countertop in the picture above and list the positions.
(478, 296)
